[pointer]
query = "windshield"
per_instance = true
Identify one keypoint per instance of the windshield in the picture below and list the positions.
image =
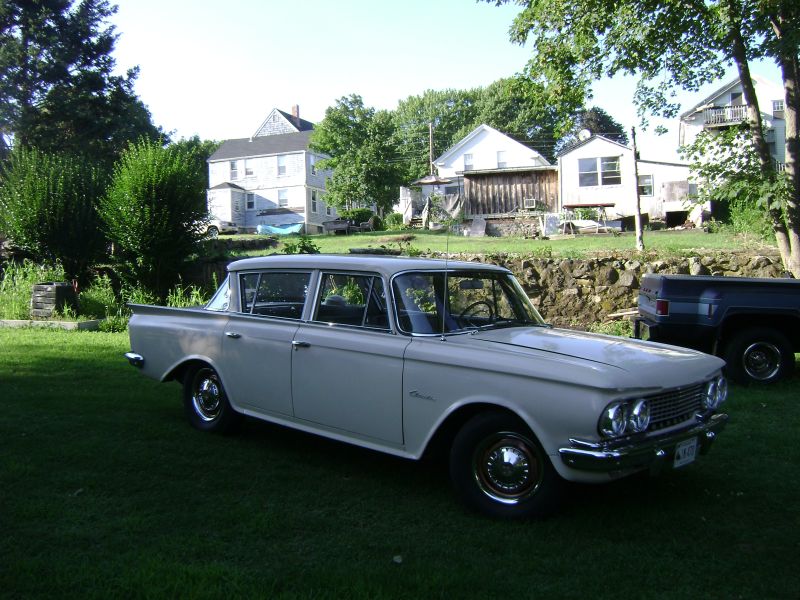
(475, 300)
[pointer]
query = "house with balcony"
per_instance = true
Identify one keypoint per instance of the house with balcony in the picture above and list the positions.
(726, 107)
(270, 179)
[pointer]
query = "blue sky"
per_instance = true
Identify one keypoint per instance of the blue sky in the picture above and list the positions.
(216, 68)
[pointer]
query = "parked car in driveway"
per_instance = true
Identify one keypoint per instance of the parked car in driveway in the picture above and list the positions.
(217, 226)
(402, 355)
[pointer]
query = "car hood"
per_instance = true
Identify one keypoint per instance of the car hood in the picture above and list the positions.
(646, 362)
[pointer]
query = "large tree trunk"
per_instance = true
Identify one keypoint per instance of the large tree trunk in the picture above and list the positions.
(790, 72)
(783, 235)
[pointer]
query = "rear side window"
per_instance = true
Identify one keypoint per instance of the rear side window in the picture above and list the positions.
(274, 294)
(357, 300)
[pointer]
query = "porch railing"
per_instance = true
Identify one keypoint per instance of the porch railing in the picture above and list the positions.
(724, 115)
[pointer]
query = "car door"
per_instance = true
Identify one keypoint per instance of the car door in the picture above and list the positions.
(347, 366)
(257, 342)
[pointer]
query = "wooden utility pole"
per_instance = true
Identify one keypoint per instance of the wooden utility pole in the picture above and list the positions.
(637, 216)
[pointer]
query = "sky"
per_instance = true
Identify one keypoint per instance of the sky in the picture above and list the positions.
(217, 68)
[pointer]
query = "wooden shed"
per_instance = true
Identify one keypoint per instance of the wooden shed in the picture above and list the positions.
(504, 191)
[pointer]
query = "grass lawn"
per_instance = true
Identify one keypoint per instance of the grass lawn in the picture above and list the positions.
(105, 491)
(568, 246)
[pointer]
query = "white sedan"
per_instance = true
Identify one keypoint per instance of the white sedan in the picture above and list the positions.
(404, 355)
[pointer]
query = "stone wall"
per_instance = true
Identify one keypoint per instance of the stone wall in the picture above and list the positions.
(577, 293)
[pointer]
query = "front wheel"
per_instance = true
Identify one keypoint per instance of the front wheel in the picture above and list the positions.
(499, 468)
(206, 403)
(758, 355)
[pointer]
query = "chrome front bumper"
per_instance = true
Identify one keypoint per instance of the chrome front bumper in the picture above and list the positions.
(653, 453)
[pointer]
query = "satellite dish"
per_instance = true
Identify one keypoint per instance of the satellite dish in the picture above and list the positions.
(584, 134)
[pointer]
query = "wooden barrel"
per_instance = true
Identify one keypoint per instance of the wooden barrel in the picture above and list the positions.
(48, 298)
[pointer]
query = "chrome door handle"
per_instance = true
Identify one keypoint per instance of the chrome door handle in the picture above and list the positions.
(233, 334)
(296, 345)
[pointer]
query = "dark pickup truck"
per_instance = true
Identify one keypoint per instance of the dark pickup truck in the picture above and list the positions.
(754, 324)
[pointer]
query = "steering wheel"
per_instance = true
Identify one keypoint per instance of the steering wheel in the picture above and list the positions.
(470, 311)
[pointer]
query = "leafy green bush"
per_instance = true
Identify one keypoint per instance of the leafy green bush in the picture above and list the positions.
(356, 215)
(184, 297)
(304, 245)
(153, 213)
(621, 328)
(16, 285)
(394, 221)
(48, 207)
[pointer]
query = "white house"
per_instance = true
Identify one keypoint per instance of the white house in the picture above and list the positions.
(484, 150)
(726, 107)
(270, 178)
(599, 172)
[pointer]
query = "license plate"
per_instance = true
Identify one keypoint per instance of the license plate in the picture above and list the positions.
(685, 452)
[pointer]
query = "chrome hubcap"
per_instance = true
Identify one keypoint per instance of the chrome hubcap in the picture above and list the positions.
(207, 397)
(507, 468)
(762, 360)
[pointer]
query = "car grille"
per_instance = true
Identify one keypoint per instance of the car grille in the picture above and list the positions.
(675, 406)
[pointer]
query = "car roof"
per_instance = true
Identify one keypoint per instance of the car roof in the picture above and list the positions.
(385, 265)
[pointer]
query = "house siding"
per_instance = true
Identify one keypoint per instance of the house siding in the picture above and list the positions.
(502, 193)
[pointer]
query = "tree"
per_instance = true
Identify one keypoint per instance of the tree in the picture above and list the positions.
(598, 122)
(153, 212)
(48, 208)
(57, 90)
(358, 142)
(200, 151)
(671, 45)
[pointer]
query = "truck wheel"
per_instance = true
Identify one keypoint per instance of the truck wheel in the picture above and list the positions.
(499, 468)
(760, 355)
(206, 403)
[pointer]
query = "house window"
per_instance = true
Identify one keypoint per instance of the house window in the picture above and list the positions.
(248, 169)
(736, 99)
(587, 172)
(468, 165)
(645, 185)
(609, 171)
(283, 197)
(313, 201)
(234, 170)
(281, 164)
(329, 211)
(501, 159)
(313, 160)
(250, 202)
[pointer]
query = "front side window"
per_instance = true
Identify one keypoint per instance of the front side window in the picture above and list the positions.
(474, 300)
(281, 164)
(274, 294)
(356, 300)
(645, 185)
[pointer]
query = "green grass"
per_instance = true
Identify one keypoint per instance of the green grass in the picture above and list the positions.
(105, 491)
(569, 246)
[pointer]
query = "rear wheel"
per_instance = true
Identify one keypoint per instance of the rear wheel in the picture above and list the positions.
(500, 469)
(206, 403)
(758, 355)
(213, 231)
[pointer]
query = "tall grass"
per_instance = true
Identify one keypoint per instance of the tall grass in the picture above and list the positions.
(16, 286)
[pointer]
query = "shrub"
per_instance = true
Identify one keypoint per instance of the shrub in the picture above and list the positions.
(621, 328)
(48, 208)
(304, 245)
(356, 215)
(394, 221)
(152, 212)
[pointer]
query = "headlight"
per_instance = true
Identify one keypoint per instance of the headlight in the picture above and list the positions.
(710, 395)
(639, 417)
(614, 420)
(722, 390)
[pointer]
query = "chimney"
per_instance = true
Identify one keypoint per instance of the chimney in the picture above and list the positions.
(296, 115)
